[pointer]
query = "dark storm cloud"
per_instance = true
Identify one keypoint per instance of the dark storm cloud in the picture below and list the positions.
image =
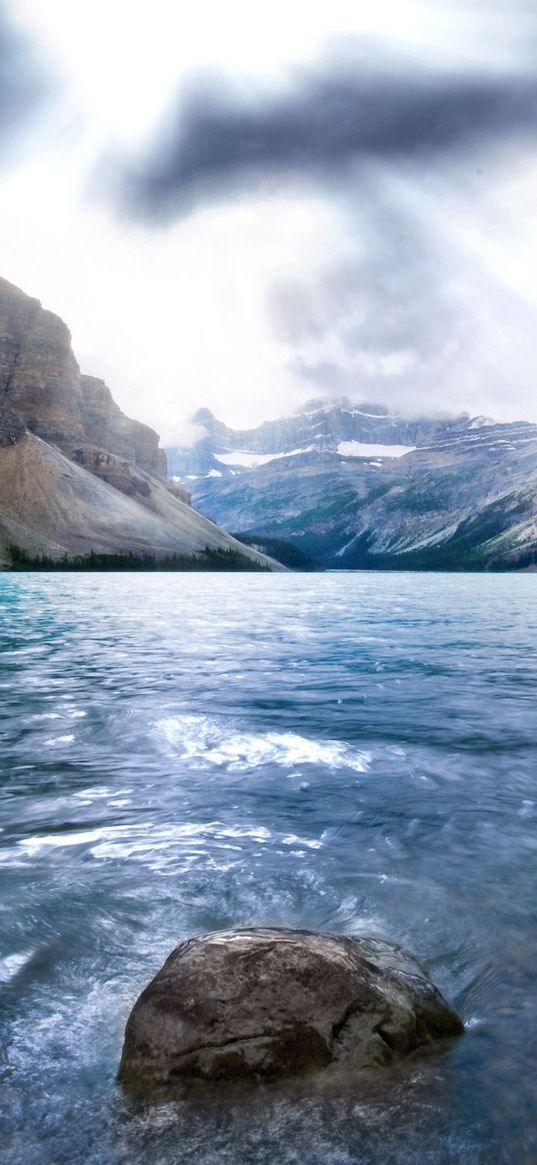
(320, 128)
(407, 318)
(23, 83)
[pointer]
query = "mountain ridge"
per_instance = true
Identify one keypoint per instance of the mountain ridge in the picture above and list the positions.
(357, 487)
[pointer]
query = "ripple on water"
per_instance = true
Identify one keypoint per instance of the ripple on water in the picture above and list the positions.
(357, 754)
(156, 845)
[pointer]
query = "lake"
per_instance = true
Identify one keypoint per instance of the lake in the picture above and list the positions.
(350, 752)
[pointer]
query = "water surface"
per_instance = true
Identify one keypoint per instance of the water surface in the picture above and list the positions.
(179, 753)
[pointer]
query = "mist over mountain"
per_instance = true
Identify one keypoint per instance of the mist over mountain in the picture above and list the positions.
(354, 486)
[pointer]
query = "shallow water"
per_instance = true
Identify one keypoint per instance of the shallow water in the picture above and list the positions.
(354, 752)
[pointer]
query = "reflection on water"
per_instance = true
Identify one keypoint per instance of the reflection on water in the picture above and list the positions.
(183, 753)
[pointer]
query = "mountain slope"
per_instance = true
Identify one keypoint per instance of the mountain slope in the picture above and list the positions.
(76, 474)
(48, 505)
(319, 429)
(354, 487)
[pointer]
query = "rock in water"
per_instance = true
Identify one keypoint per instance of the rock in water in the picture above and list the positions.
(264, 1003)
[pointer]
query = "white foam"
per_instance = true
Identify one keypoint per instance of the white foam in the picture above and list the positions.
(30, 846)
(210, 742)
(94, 793)
(307, 843)
(70, 713)
(12, 964)
(175, 844)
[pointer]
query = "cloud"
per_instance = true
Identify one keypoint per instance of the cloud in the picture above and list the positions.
(24, 85)
(363, 225)
(432, 307)
(320, 127)
(421, 308)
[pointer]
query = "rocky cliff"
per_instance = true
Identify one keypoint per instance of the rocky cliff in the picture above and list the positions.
(352, 486)
(41, 386)
(76, 474)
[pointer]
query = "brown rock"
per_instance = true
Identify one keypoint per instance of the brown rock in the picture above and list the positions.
(39, 376)
(76, 474)
(258, 1003)
(106, 427)
(41, 383)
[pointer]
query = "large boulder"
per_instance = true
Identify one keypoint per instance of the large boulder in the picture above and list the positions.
(264, 1003)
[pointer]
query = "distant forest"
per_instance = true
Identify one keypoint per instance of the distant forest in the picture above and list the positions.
(206, 560)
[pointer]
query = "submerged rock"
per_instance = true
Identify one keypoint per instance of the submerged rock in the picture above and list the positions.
(261, 1003)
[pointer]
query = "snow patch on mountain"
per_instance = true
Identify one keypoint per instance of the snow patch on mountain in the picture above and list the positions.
(249, 460)
(347, 546)
(361, 449)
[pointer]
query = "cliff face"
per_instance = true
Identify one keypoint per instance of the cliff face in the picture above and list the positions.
(108, 428)
(76, 474)
(39, 376)
(42, 390)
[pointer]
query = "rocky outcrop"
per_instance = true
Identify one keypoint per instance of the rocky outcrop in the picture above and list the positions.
(260, 1003)
(108, 428)
(177, 491)
(11, 426)
(122, 475)
(39, 376)
(76, 474)
(41, 384)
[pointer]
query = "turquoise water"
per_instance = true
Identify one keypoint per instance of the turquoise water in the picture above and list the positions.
(181, 753)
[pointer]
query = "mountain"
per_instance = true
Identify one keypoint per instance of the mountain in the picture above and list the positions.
(77, 475)
(353, 486)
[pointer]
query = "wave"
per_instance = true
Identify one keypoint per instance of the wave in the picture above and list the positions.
(157, 845)
(209, 742)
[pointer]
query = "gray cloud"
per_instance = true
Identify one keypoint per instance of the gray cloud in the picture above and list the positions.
(409, 319)
(320, 128)
(385, 312)
(376, 301)
(419, 354)
(24, 85)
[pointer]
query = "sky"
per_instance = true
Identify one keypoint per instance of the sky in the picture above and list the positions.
(246, 206)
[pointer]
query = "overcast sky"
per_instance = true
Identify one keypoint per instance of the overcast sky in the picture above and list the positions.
(245, 205)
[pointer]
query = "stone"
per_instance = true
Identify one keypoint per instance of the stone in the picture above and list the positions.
(263, 1003)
